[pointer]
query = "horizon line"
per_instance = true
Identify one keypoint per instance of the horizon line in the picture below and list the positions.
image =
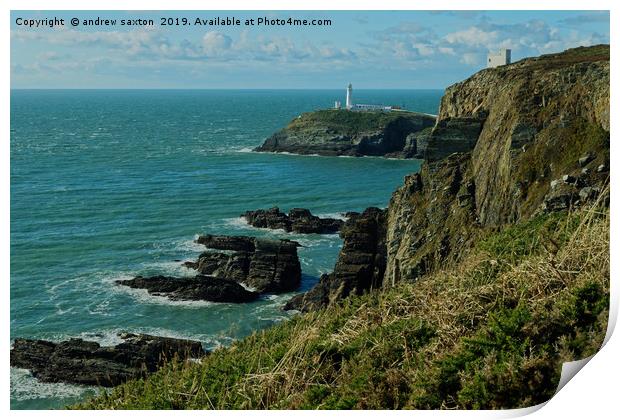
(163, 88)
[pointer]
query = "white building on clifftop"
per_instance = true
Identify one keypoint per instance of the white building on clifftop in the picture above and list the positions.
(350, 106)
(349, 96)
(499, 58)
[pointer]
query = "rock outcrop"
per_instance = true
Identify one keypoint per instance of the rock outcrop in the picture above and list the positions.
(530, 137)
(453, 135)
(83, 362)
(265, 265)
(298, 221)
(360, 266)
(200, 287)
(348, 133)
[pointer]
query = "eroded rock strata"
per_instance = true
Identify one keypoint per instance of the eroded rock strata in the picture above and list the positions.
(542, 145)
(235, 269)
(265, 265)
(83, 362)
(297, 220)
(360, 266)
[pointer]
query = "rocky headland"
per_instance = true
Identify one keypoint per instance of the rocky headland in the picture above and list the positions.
(83, 362)
(346, 133)
(297, 220)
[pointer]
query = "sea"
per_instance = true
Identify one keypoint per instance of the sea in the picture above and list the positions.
(111, 184)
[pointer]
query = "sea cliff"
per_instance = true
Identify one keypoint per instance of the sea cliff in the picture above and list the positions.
(348, 133)
(535, 120)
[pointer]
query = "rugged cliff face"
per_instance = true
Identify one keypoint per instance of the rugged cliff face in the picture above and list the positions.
(532, 136)
(342, 132)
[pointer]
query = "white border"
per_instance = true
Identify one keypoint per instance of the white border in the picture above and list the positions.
(592, 394)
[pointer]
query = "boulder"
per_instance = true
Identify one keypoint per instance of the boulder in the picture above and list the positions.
(588, 193)
(83, 362)
(584, 160)
(200, 287)
(560, 198)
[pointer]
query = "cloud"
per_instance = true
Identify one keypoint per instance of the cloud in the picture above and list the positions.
(215, 42)
(592, 17)
(408, 45)
(472, 36)
(415, 44)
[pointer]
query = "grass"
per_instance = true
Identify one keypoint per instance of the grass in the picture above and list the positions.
(490, 332)
(348, 122)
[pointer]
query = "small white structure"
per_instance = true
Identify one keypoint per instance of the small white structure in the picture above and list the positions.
(337, 105)
(349, 102)
(365, 107)
(499, 58)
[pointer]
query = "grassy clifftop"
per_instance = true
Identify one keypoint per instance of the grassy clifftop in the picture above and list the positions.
(347, 122)
(491, 332)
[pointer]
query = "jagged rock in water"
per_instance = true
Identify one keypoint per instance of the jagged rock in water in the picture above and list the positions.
(298, 220)
(200, 287)
(343, 132)
(83, 362)
(360, 266)
(272, 218)
(227, 243)
(266, 265)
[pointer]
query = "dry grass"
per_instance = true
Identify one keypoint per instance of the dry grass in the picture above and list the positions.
(487, 333)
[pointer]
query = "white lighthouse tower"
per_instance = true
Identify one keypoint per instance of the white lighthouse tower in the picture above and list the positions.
(349, 103)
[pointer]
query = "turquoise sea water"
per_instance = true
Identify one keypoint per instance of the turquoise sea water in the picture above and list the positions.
(111, 184)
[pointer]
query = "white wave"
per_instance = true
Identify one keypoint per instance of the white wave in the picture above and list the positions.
(339, 216)
(111, 337)
(188, 245)
(170, 268)
(144, 297)
(24, 386)
(237, 223)
(310, 241)
(245, 150)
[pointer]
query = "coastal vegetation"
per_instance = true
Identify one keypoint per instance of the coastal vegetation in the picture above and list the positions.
(489, 332)
(347, 122)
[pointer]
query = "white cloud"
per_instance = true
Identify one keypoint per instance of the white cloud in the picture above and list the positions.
(215, 42)
(472, 36)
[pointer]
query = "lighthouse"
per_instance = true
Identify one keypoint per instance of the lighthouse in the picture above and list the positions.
(349, 103)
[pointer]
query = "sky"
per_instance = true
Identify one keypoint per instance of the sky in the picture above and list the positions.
(371, 49)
